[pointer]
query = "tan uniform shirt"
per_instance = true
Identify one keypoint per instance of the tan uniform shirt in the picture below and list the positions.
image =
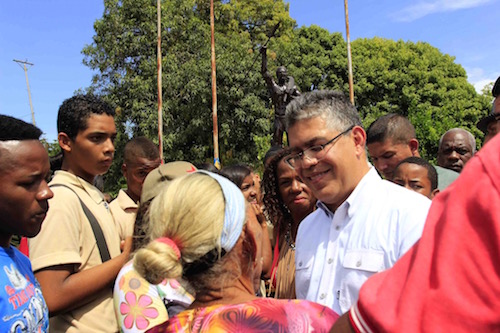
(67, 238)
(124, 210)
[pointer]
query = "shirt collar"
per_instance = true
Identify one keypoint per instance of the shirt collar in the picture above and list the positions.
(125, 201)
(356, 198)
(69, 178)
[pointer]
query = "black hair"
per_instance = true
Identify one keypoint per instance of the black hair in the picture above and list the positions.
(273, 151)
(15, 129)
(207, 166)
(390, 126)
(74, 112)
(431, 170)
(236, 173)
(140, 147)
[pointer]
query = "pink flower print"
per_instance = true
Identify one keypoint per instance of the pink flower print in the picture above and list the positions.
(137, 311)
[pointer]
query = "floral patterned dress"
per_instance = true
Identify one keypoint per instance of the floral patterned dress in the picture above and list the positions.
(260, 315)
(140, 305)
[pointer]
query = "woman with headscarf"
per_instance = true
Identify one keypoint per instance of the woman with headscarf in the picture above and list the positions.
(201, 229)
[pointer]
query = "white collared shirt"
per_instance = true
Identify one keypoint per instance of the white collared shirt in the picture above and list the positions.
(337, 252)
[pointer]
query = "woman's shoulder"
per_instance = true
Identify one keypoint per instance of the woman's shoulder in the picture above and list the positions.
(259, 315)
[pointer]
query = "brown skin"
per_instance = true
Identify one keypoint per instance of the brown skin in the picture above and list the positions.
(24, 194)
(135, 172)
(386, 155)
(343, 325)
(90, 154)
(295, 195)
(455, 150)
(249, 189)
(494, 126)
(333, 177)
(242, 289)
(415, 178)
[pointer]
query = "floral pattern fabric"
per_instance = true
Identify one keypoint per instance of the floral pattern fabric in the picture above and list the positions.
(140, 305)
(260, 315)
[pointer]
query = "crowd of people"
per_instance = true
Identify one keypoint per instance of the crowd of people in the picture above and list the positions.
(348, 230)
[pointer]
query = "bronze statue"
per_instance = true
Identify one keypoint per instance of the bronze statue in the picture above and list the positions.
(282, 92)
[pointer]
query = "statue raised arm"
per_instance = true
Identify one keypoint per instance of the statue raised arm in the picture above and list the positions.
(282, 92)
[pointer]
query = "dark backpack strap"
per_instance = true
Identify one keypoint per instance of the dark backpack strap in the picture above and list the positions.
(96, 228)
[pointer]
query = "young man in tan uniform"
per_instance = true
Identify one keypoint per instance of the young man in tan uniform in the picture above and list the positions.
(140, 157)
(66, 257)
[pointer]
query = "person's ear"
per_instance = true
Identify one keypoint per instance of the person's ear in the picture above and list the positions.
(124, 170)
(64, 142)
(434, 193)
(359, 136)
(414, 147)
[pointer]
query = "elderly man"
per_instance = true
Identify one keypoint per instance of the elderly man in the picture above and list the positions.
(490, 125)
(364, 224)
(456, 147)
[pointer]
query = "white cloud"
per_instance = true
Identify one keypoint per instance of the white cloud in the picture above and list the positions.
(424, 8)
(479, 78)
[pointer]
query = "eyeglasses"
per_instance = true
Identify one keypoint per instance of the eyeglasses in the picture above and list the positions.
(314, 152)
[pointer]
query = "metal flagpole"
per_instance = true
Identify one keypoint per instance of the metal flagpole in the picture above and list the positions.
(28, 85)
(349, 57)
(214, 91)
(160, 98)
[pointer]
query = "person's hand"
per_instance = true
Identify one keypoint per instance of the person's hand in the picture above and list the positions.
(126, 245)
(257, 209)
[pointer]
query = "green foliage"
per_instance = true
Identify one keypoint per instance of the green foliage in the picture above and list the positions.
(52, 148)
(413, 79)
(123, 53)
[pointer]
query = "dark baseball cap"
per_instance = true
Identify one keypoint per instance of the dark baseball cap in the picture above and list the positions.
(483, 123)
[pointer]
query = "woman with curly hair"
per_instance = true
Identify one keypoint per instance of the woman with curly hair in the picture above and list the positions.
(287, 201)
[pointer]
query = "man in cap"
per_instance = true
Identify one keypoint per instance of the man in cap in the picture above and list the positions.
(490, 125)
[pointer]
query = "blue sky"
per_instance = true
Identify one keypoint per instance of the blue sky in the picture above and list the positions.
(51, 34)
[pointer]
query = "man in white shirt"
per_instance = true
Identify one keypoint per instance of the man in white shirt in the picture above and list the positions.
(364, 224)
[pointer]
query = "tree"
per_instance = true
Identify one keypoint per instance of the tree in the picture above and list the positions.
(124, 55)
(413, 79)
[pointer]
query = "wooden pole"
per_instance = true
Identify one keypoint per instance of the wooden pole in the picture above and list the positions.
(159, 74)
(24, 63)
(214, 90)
(349, 57)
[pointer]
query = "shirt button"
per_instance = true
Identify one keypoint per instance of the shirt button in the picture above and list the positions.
(330, 260)
(337, 227)
(322, 296)
(300, 264)
(358, 263)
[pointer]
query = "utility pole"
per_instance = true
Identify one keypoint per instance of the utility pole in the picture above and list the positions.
(214, 90)
(24, 63)
(349, 57)
(160, 91)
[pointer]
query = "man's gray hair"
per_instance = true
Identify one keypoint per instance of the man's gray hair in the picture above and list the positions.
(333, 106)
(470, 136)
